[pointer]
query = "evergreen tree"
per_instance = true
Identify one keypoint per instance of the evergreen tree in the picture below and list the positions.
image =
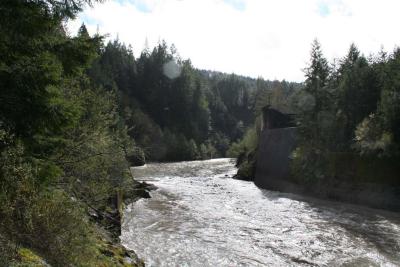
(315, 102)
(358, 94)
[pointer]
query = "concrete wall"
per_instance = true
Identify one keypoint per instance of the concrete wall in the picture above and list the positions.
(273, 158)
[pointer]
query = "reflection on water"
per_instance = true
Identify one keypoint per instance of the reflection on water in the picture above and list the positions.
(201, 217)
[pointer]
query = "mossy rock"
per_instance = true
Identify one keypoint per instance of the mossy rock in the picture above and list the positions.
(27, 258)
(117, 255)
(137, 158)
(246, 171)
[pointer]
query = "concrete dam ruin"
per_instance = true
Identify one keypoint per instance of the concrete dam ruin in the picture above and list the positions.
(277, 142)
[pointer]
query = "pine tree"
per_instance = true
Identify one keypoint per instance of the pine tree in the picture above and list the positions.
(316, 97)
(358, 93)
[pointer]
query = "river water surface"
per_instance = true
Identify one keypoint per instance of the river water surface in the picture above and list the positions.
(199, 216)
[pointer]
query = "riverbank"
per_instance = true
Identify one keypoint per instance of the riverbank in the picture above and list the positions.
(366, 194)
(346, 177)
(109, 223)
(370, 194)
(106, 229)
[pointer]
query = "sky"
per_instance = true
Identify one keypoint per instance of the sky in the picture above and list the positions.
(256, 38)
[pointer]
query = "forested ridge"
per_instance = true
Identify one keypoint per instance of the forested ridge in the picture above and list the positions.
(77, 111)
(174, 111)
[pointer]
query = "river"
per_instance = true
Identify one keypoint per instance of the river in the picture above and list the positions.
(199, 216)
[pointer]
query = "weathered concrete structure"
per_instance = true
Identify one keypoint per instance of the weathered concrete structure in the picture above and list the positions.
(277, 141)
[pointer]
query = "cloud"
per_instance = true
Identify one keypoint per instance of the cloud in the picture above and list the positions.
(267, 38)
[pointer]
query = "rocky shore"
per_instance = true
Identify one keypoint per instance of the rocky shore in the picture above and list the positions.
(107, 230)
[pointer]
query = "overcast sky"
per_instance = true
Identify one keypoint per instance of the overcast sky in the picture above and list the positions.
(268, 38)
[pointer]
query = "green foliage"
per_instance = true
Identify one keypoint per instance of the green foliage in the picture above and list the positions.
(316, 104)
(59, 231)
(176, 102)
(35, 217)
(247, 144)
(207, 151)
(357, 95)
(63, 143)
(349, 109)
(379, 133)
(371, 137)
(35, 56)
(245, 152)
(277, 95)
(246, 170)
(94, 150)
(28, 258)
